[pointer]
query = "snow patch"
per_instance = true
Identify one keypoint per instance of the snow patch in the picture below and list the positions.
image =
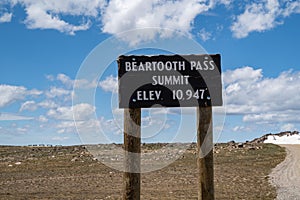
(285, 139)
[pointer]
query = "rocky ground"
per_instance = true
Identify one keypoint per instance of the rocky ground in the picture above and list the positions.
(241, 172)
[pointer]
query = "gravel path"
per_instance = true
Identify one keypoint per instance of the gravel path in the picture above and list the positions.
(286, 175)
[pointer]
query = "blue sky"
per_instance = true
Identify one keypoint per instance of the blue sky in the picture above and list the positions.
(44, 43)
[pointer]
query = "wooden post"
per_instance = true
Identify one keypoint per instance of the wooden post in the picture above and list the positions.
(205, 154)
(132, 147)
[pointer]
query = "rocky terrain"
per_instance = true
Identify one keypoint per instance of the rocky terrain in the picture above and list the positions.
(241, 172)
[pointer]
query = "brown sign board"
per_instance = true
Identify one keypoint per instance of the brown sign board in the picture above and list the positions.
(169, 81)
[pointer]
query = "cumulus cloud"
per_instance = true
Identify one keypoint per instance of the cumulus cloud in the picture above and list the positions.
(6, 17)
(291, 7)
(47, 14)
(80, 111)
(177, 16)
(261, 99)
(32, 105)
(244, 74)
(204, 35)
(110, 84)
(70, 83)
(40, 19)
(116, 15)
(66, 80)
(10, 94)
(58, 92)
(48, 104)
(65, 127)
(262, 16)
(87, 126)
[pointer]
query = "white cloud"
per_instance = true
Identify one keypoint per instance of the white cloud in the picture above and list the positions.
(66, 127)
(241, 129)
(29, 105)
(110, 84)
(154, 123)
(115, 15)
(283, 116)
(6, 17)
(47, 14)
(225, 2)
(32, 105)
(58, 92)
(263, 117)
(242, 75)
(165, 111)
(48, 104)
(22, 130)
(67, 81)
(42, 118)
(175, 16)
(50, 77)
(70, 83)
(78, 83)
(118, 112)
(10, 94)
(83, 111)
(262, 16)
(39, 19)
(13, 117)
(178, 15)
(87, 126)
(109, 126)
(57, 138)
(291, 7)
(204, 35)
(85, 84)
(80, 111)
(262, 99)
(288, 127)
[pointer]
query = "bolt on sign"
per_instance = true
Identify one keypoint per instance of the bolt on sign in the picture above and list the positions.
(169, 81)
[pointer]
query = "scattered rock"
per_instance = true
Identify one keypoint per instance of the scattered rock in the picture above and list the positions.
(251, 148)
(240, 145)
(74, 159)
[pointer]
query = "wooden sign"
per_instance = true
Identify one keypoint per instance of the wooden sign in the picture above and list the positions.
(169, 81)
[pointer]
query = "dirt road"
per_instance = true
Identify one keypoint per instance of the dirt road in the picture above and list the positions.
(286, 175)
